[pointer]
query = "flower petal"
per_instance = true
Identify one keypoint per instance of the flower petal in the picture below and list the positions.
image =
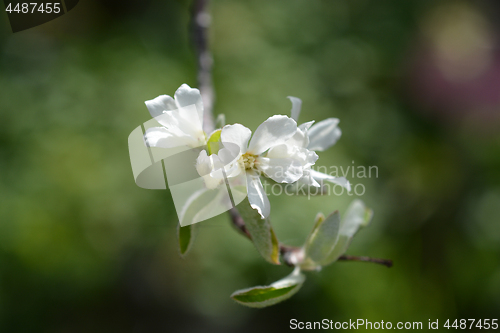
(183, 123)
(306, 126)
(308, 157)
(342, 181)
(308, 179)
(296, 106)
(190, 123)
(324, 134)
(229, 153)
(281, 170)
(163, 138)
(305, 156)
(237, 134)
(185, 96)
(159, 104)
(283, 150)
(274, 131)
(203, 163)
(257, 196)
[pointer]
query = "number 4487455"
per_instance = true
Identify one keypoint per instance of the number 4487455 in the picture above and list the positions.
(33, 7)
(472, 323)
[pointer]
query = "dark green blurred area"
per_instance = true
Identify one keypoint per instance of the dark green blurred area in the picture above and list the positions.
(83, 249)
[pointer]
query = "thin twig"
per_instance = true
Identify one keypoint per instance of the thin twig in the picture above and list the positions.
(200, 23)
(385, 262)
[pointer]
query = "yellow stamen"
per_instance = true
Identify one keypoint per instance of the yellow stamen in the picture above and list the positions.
(248, 161)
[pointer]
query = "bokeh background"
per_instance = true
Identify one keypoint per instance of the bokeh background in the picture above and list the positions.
(416, 85)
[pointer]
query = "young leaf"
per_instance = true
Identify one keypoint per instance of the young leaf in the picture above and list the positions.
(262, 296)
(262, 233)
(356, 216)
(322, 240)
(213, 142)
(186, 236)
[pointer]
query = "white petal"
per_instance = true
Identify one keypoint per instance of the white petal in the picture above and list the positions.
(159, 104)
(324, 134)
(299, 139)
(342, 181)
(183, 122)
(203, 164)
(305, 156)
(257, 196)
(283, 150)
(229, 156)
(234, 170)
(189, 122)
(300, 156)
(237, 134)
(274, 131)
(208, 168)
(306, 126)
(216, 162)
(308, 179)
(185, 96)
(163, 138)
(296, 106)
(309, 157)
(229, 153)
(281, 170)
(171, 119)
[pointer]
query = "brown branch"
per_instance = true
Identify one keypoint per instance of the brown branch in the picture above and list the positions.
(200, 23)
(239, 223)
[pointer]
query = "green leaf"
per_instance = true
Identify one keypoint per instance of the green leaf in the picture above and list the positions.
(321, 240)
(213, 142)
(356, 216)
(263, 236)
(186, 236)
(262, 296)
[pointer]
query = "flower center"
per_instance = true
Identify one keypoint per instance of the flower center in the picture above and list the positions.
(247, 161)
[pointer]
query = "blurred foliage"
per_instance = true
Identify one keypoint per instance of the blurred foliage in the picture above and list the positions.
(82, 248)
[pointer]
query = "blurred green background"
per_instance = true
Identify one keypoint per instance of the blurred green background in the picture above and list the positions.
(416, 85)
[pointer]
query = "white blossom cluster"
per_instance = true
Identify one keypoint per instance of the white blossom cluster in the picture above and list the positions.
(279, 149)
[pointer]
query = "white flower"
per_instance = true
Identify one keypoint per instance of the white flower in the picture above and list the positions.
(181, 118)
(281, 164)
(316, 137)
